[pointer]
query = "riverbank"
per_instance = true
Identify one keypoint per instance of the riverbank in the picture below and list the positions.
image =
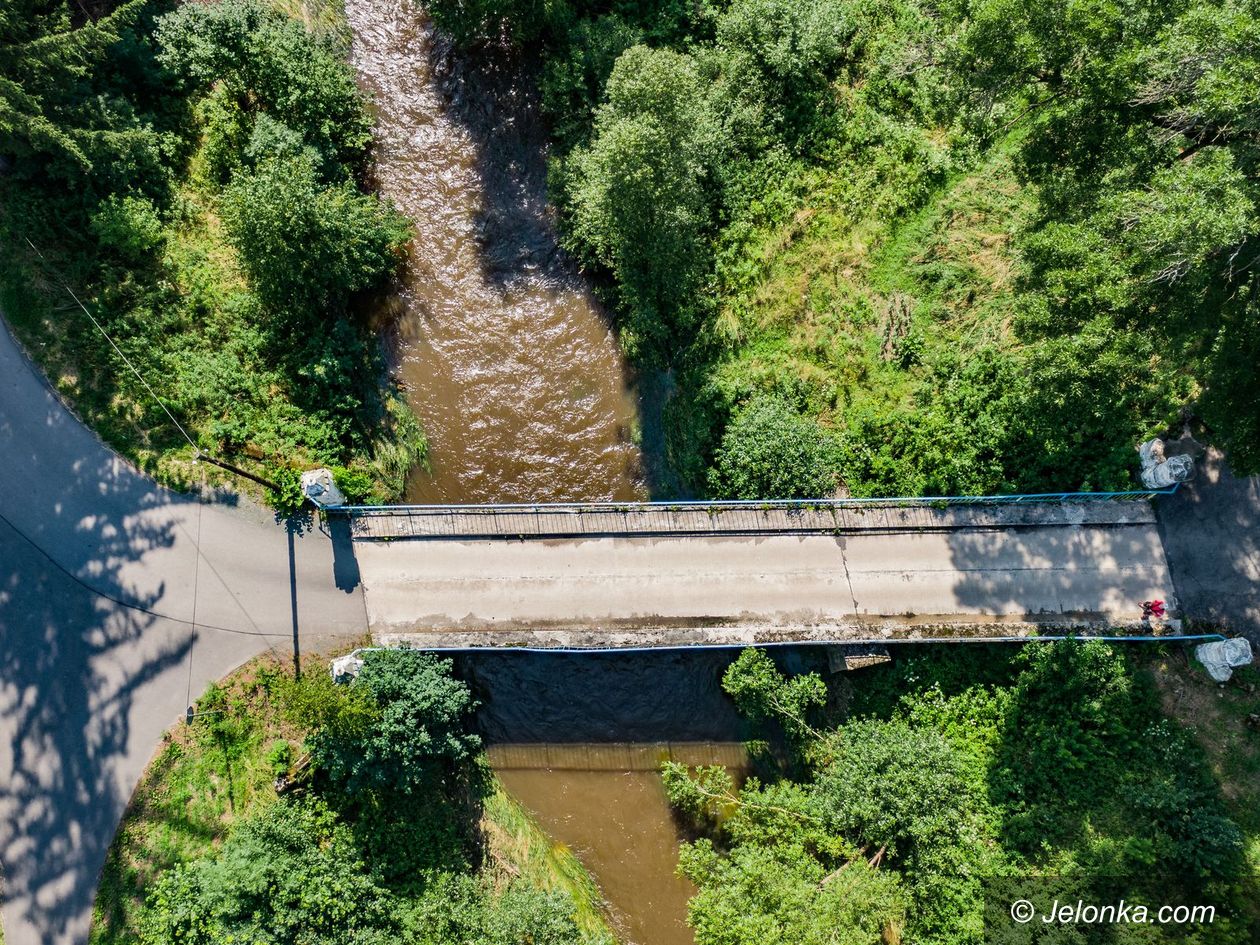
(213, 253)
(219, 771)
(1225, 723)
(916, 796)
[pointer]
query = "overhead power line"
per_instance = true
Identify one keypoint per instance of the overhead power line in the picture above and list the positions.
(119, 352)
(198, 453)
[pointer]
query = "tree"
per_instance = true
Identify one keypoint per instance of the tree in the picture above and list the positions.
(475, 22)
(308, 248)
(404, 728)
(910, 793)
(762, 693)
(780, 894)
(573, 79)
(637, 193)
(59, 113)
(907, 790)
(1140, 138)
(44, 61)
(287, 876)
(467, 909)
(267, 64)
(794, 47)
(770, 451)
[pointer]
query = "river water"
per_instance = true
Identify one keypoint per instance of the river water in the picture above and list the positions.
(507, 358)
(579, 740)
(511, 366)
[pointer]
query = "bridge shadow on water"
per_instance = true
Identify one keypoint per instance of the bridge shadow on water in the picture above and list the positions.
(590, 698)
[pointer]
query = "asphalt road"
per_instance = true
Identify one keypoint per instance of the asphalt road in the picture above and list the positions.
(119, 602)
(1211, 532)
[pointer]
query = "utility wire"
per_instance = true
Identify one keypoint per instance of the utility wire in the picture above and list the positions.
(192, 630)
(119, 351)
(198, 453)
(138, 608)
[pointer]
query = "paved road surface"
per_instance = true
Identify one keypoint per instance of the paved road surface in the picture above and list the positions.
(642, 590)
(1211, 531)
(101, 584)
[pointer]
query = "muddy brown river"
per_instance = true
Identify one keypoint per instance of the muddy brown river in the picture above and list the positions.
(510, 364)
(579, 739)
(507, 358)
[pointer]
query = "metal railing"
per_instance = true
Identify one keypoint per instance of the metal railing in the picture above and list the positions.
(784, 516)
(931, 501)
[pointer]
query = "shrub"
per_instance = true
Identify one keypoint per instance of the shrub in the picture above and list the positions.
(289, 875)
(130, 226)
(769, 451)
(306, 248)
(404, 728)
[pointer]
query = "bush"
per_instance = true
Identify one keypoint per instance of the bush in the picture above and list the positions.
(130, 226)
(297, 82)
(637, 194)
(769, 451)
(404, 727)
(288, 876)
(306, 248)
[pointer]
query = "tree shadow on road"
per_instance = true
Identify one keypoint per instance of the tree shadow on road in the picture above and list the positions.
(80, 638)
(71, 663)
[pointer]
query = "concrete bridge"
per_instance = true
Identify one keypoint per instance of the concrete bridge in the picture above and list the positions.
(661, 574)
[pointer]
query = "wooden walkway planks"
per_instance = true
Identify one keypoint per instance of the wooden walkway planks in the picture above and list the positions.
(576, 521)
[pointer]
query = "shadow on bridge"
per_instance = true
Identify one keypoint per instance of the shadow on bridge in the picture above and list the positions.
(1097, 574)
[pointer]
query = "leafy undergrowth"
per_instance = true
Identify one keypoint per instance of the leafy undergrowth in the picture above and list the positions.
(219, 772)
(1225, 722)
(895, 333)
(232, 253)
(965, 777)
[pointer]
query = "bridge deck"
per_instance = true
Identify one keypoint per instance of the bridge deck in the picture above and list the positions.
(968, 573)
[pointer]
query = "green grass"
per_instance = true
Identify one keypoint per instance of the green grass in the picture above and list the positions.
(218, 770)
(206, 776)
(325, 18)
(1225, 721)
(818, 317)
(861, 314)
(520, 846)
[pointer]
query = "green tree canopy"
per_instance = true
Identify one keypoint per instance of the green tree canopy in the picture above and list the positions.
(59, 111)
(288, 876)
(1141, 132)
(266, 63)
(403, 727)
(771, 451)
(783, 895)
(308, 248)
(638, 192)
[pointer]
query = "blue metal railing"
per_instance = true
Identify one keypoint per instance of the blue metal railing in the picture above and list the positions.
(1068, 637)
(933, 501)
